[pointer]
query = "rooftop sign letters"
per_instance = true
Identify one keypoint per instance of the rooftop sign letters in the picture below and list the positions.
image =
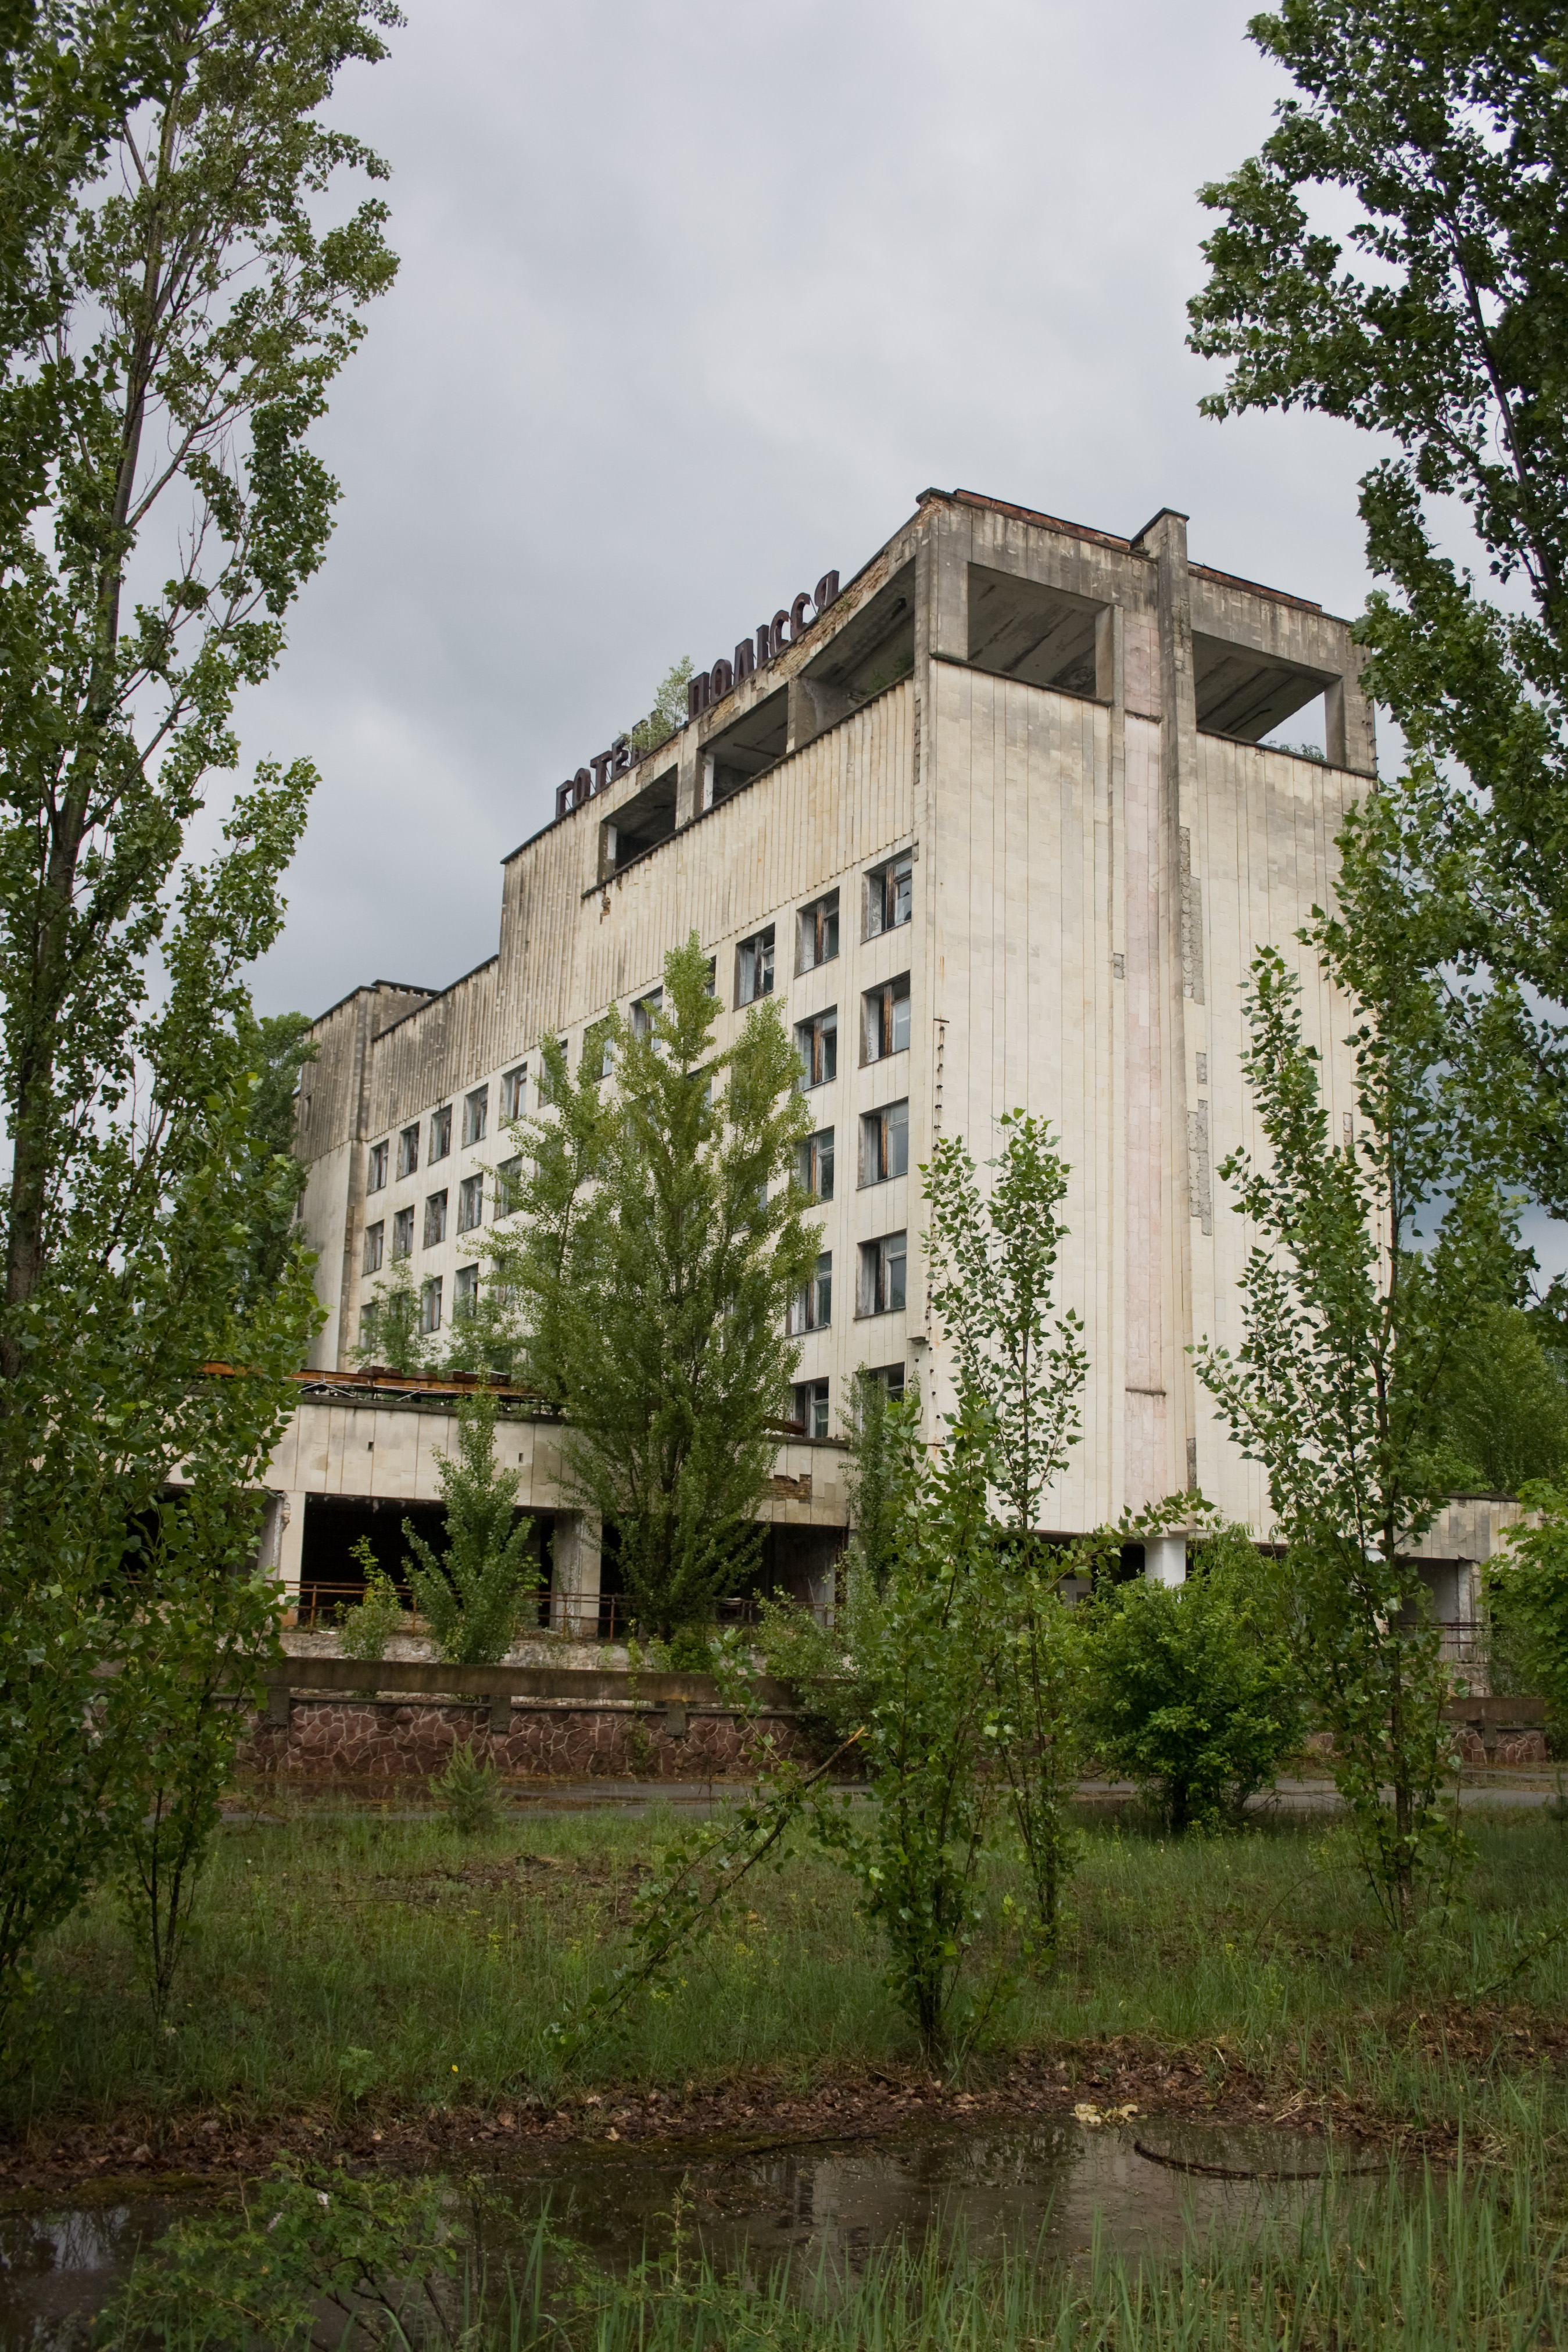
(707, 687)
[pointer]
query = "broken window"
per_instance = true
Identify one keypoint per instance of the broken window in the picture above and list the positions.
(508, 1184)
(431, 1305)
(409, 1152)
(818, 936)
(754, 968)
(403, 1235)
(811, 1407)
(883, 1266)
(598, 1050)
(470, 1204)
(476, 1115)
(375, 1243)
(885, 1143)
(816, 1164)
(812, 1307)
(885, 1020)
(646, 1011)
(441, 1131)
(514, 1093)
(889, 895)
(435, 1220)
(818, 1040)
(376, 1179)
(465, 1292)
(887, 1377)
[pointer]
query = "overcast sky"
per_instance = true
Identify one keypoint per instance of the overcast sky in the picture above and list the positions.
(694, 299)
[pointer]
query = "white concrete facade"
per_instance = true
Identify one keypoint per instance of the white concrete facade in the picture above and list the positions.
(1061, 729)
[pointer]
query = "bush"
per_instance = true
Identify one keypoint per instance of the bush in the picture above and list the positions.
(1192, 1691)
(468, 1793)
(367, 1628)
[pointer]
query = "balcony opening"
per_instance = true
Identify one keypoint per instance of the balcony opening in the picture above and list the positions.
(1249, 695)
(638, 825)
(740, 752)
(1046, 637)
(874, 649)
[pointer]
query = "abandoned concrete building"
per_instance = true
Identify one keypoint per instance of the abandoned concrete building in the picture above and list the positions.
(999, 822)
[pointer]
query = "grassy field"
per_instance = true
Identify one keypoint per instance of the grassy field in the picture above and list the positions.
(353, 1966)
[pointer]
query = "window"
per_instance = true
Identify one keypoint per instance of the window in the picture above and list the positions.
(811, 1407)
(882, 1275)
(375, 1243)
(441, 1131)
(435, 1220)
(470, 1204)
(403, 1235)
(885, 1020)
(818, 1042)
(816, 1164)
(376, 1179)
(645, 1012)
(818, 937)
(712, 975)
(465, 1292)
(885, 1144)
(754, 968)
(598, 1050)
(431, 1305)
(812, 1308)
(476, 1115)
(889, 1377)
(889, 895)
(409, 1152)
(514, 1093)
(509, 1180)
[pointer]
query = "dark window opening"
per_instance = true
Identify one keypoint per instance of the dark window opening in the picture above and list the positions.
(403, 1235)
(470, 1204)
(817, 933)
(374, 1244)
(738, 752)
(873, 649)
(1046, 637)
(885, 1144)
(754, 968)
(1248, 695)
(811, 1407)
(882, 1269)
(377, 1180)
(818, 1041)
(640, 823)
(435, 1220)
(409, 1152)
(816, 1164)
(889, 1377)
(812, 1307)
(441, 1132)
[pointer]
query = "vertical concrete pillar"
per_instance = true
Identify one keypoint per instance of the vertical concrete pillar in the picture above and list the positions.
(288, 1558)
(574, 1586)
(1165, 1560)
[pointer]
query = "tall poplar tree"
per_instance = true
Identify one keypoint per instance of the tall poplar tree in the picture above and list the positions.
(662, 1238)
(171, 319)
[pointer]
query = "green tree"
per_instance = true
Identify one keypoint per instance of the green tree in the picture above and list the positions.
(277, 1049)
(393, 1337)
(669, 711)
(170, 323)
(1193, 1690)
(473, 1594)
(1372, 1265)
(1020, 1368)
(1527, 1597)
(885, 1453)
(1434, 314)
(1503, 1406)
(662, 1240)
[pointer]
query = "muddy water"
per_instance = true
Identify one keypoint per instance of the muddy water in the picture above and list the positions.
(1053, 2186)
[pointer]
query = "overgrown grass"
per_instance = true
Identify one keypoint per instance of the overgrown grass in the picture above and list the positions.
(393, 1964)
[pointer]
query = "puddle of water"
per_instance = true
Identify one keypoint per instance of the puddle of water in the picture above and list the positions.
(1054, 2186)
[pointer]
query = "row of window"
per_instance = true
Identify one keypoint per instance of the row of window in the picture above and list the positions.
(470, 1214)
(883, 1267)
(887, 903)
(476, 1126)
(884, 1152)
(811, 1397)
(884, 1030)
(465, 1298)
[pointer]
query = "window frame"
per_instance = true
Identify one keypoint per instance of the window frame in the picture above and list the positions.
(435, 1214)
(879, 1016)
(817, 1395)
(402, 1230)
(476, 1115)
(760, 942)
(811, 1309)
(380, 1158)
(874, 1133)
(430, 1292)
(808, 1165)
(471, 1191)
(375, 1253)
(815, 1028)
(440, 1135)
(878, 1259)
(408, 1150)
(881, 888)
(811, 926)
(465, 1290)
(513, 1094)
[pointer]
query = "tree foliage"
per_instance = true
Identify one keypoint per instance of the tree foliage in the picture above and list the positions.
(1371, 1266)
(1193, 1690)
(1437, 319)
(474, 1592)
(170, 323)
(661, 1239)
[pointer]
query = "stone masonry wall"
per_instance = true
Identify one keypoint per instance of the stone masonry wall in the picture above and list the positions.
(355, 1738)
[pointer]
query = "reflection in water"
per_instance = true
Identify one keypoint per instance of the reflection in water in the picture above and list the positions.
(1055, 2185)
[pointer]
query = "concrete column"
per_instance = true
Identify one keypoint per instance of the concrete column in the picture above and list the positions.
(575, 1587)
(1165, 1560)
(288, 1558)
